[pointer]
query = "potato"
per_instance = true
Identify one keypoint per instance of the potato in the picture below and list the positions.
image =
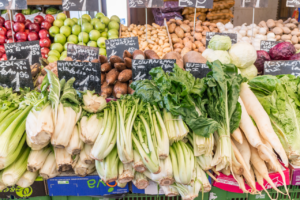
(297, 46)
(185, 28)
(186, 22)
(184, 51)
(294, 39)
(178, 45)
(120, 89)
(198, 36)
(201, 49)
(120, 66)
(106, 90)
(150, 54)
(178, 50)
(106, 67)
(178, 22)
(176, 56)
(187, 34)
(172, 28)
(198, 44)
(286, 30)
(277, 31)
(198, 28)
(290, 25)
(179, 32)
(270, 23)
(125, 75)
(193, 57)
(111, 76)
(286, 37)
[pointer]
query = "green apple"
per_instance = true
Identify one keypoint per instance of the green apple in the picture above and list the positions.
(69, 22)
(81, 43)
(113, 32)
(99, 26)
(54, 53)
(99, 15)
(87, 27)
(83, 37)
(94, 35)
(94, 21)
(75, 20)
(73, 39)
(76, 29)
(102, 51)
(61, 16)
(64, 53)
(57, 46)
(53, 30)
(60, 38)
(104, 34)
(101, 42)
(65, 30)
(105, 20)
(83, 21)
(113, 37)
(115, 18)
(59, 23)
(92, 44)
(86, 16)
(52, 59)
(66, 45)
(113, 25)
(106, 29)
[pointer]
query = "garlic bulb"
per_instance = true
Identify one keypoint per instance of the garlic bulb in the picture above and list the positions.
(229, 25)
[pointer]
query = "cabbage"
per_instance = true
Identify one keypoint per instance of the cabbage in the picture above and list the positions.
(282, 51)
(222, 56)
(249, 72)
(262, 56)
(206, 53)
(298, 51)
(295, 57)
(242, 54)
(219, 42)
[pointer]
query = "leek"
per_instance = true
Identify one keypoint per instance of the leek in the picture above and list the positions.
(27, 179)
(2, 185)
(64, 160)
(93, 103)
(12, 174)
(126, 173)
(82, 169)
(138, 164)
(90, 128)
(49, 169)
(75, 145)
(85, 154)
(140, 180)
(108, 169)
(37, 159)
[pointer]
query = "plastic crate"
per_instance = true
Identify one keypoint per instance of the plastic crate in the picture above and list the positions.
(161, 197)
(294, 192)
(40, 198)
(219, 194)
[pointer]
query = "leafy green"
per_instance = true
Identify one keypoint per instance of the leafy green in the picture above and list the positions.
(69, 97)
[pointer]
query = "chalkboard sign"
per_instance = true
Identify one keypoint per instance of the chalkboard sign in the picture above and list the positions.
(254, 3)
(80, 5)
(87, 74)
(293, 3)
(15, 74)
(118, 46)
(80, 52)
(13, 4)
(141, 68)
(199, 70)
(267, 45)
(209, 35)
(24, 50)
(146, 3)
(196, 3)
(282, 67)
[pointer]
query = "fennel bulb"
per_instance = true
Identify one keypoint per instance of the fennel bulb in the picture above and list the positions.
(138, 164)
(37, 159)
(170, 190)
(140, 180)
(75, 145)
(85, 154)
(64, 160)
(108, 168)
(2, 185)
(82, 169)
(90, 128)
(27, 179)
(126, 173)
(35, 147)
(93, 103)
(49, 169)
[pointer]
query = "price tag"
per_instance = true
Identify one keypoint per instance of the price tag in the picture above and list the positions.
(282, 67)
(146, 3)
(87, 74)
(15, 74)
(293, 3)
(199, 70)
(116, 47)
(209, 35)
(196, 3)
(254, 3)
(80, 5)
(24, 50)
(13, 4)
(267, 45)
(141, 68)
(80, 52)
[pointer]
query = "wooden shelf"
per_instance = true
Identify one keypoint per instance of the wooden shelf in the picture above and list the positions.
(44, 2)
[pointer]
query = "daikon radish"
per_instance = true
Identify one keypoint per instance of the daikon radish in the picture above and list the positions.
(226, 171)
(237, 135)
(279, 170)
(241, 182)
(250, 180)
(236, 166)
(244, 150)
(260, 181)
(262, 120)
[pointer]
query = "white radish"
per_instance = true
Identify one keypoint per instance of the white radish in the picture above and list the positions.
(260, 181)
(241, 182)
(261, 118)
(244, 150)
(237, 167)
(237, 135)
(250, 180)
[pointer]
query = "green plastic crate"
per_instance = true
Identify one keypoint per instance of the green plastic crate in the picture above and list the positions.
(219, 194)
(40, 198)
(161, 197)
(294, 192)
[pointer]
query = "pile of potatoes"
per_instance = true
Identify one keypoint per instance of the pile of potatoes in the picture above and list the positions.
(156, 38)
(185, 38)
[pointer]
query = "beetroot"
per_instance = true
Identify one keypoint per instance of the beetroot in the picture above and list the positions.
(295, 57)
(262, 56)
(282, 51)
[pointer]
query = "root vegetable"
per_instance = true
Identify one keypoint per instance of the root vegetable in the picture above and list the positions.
(179, 32)
(184, 51)
(125, 75)
(286, 30)
(103, 75)
(138, 54)
(177, 57)
(277, 31)
(178, 22)
(115, 59)
(270, 23)
(185, 28)
(150, 54)
(120, 89)
(129, 90)
(178, 45)
(103, 59)
(294, 39)
(112, 76)
(106, 67)
(127, 54)
(120, 66)
(193, 57)
(198, 36)
(237, 135)
(128, 63)
(106, 90)
(172, 28)
(286, 37)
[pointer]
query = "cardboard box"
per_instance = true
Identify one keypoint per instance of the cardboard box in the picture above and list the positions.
(294, 174)
(152, 189)
(37, 189)
(228, 183)
(71, 185)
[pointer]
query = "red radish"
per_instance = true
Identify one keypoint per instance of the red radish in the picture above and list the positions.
(2, 49)
(34, 27)
(2, 31)
(19, 27)
(38, 19)
(46, 42)
(27, 22)
(20, 18)
(10, 40)
(21, 36)
(2, 20)
(32, 36)
(3, 39)
(46, 25)
(49, 18)
(8, 24)
(43, 34)
(45, 50)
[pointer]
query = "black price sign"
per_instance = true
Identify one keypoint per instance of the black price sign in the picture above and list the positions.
(146, 3)
(80, 5)
(24, 50)
(80, 52)
(209, 35)
(199, 70)
(13, 4)
(282, 67)
(15, 74)
(267, 45)
(87, 74)
(196, 3)
(116, 47)
(141, 68)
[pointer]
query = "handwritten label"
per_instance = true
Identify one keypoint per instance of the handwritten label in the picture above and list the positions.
(267, 45)
(15, 74)
(293, 3)
(199, 70)
(196, 3)
(254, 3)
(87, 74)
(282, 67)
(146, 3)
(80, 5)
(209, 35)
(118, 46)
(13, 4)
(80, 52)
(24, 50)
(141, 68)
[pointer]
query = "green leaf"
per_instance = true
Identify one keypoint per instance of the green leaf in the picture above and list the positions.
(69, 97)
